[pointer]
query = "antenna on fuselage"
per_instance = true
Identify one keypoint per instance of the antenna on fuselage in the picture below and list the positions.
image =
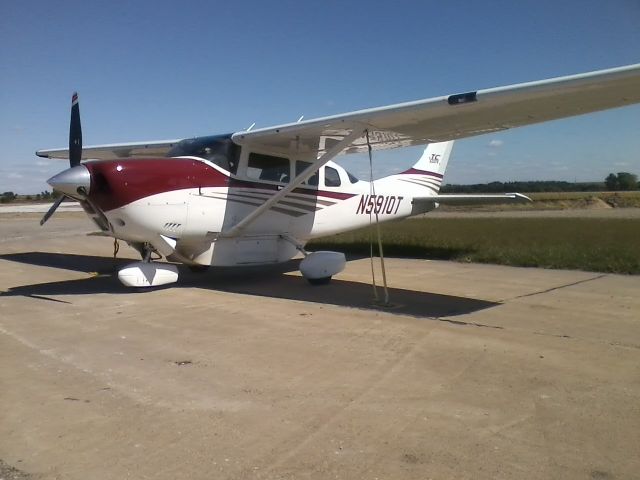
(300, 119)
(252, 125)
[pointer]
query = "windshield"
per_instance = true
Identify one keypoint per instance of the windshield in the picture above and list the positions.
(218, 149)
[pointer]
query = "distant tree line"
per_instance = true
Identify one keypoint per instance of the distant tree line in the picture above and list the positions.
(8, 197)
(621, 181)
(538, 186)
(613, 182)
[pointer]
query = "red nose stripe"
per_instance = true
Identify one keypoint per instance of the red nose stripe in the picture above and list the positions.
(115, 183)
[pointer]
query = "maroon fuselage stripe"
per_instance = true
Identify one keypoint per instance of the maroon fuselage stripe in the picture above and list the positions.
(237, 183)
(116, 183)
(421, 172)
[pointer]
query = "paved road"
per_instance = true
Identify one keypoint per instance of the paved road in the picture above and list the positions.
(39, 207)
(476, 372)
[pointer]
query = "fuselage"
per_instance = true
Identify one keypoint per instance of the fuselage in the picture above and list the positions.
(183, 205)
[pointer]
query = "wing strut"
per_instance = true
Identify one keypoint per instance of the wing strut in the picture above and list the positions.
(328, 155)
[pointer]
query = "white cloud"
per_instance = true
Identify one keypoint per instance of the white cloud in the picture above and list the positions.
(495, 143)
(15, 175)
(43, 163)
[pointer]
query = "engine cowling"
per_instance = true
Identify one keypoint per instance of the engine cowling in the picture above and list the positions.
(322, 265)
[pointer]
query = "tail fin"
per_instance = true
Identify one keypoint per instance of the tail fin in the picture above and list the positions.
(435, 158)
(429, 169)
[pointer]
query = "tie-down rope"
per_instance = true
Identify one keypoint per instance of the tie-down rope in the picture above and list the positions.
(374, 211)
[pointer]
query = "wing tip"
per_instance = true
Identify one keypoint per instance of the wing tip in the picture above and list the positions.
(521, 198)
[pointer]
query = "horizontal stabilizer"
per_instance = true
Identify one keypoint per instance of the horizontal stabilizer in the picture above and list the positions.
(473, 199)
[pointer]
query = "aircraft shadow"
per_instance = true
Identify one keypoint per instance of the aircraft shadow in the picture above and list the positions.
(270, 281)
(68, 261)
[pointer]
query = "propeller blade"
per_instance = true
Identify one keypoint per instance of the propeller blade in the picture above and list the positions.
(53, 208)
(75, 133)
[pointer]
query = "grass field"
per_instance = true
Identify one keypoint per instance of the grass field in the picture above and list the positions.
(592, 244)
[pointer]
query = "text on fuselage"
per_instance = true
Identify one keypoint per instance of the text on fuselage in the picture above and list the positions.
(379, 204)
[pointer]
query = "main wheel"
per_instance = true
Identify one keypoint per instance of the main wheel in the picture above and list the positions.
(319, 281)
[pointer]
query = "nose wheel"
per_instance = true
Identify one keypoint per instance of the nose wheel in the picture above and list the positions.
(147, 273)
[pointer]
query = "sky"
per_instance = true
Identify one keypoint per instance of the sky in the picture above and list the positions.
(165, 69)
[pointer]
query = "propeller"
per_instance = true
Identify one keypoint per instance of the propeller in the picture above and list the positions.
(75, 133)
(53, 208)
(69, 178)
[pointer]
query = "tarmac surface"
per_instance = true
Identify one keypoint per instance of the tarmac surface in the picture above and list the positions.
(476, 371)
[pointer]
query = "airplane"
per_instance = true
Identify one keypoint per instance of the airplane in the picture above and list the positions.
(256, 197)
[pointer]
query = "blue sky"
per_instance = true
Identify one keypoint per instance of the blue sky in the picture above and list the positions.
(157, 70)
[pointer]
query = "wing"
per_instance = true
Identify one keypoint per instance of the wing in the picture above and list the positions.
(116, 150)
(454, 116)
(424, 121)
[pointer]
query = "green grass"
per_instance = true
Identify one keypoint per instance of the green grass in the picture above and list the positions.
(592, 244)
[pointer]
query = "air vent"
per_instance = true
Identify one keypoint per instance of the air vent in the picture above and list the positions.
(172, 226)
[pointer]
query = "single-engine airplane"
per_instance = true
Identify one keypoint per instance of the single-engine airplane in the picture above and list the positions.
(257, 196)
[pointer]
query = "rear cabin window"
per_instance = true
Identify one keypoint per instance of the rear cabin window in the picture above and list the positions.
(301, 167)
(331, 177)
(268, 167)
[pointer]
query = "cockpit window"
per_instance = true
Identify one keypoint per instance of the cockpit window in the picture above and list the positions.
(352, 178)
(268, 167)
(301, 167)
(331, 177)
(218, 149)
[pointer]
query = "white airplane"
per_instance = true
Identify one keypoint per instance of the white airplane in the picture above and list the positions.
(257, 196)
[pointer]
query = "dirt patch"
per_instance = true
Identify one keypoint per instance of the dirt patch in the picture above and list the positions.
(7, 472)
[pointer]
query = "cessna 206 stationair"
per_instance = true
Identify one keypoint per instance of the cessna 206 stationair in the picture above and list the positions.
(257, 196)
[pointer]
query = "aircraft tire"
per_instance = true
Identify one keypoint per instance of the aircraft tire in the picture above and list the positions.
(319, 281)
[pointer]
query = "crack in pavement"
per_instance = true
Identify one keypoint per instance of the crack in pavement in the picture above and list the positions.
(597, 277)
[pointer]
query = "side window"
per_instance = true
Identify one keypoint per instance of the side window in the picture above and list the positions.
(301, 167)
(267, 167)
(352, 178)
(331, 177)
